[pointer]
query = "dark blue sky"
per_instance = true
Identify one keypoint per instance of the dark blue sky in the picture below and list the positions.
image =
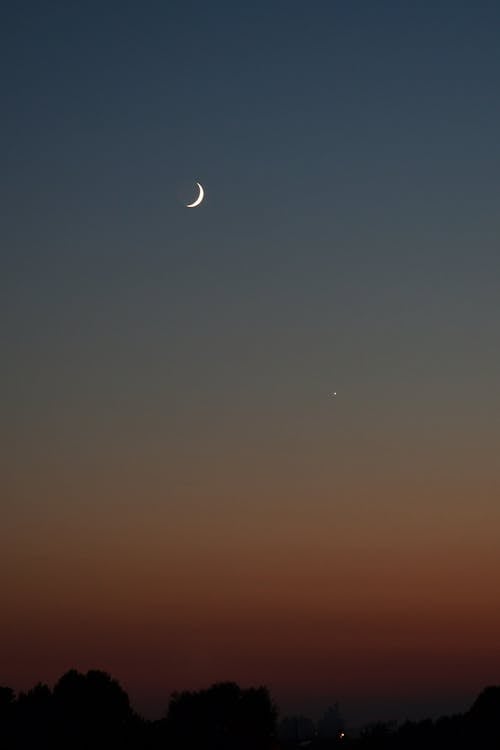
(348, 241)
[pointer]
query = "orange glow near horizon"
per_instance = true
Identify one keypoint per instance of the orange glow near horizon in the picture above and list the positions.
(317, 599)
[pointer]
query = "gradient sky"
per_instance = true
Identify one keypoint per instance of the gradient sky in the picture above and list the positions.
(182, 500)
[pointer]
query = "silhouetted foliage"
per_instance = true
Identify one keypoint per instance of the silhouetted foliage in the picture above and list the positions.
(34, 717)
(486, 707)
(92, 711)
(223, 716)
(7, 707)
(483, 719)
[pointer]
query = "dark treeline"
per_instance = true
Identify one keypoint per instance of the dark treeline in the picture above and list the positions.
(92, 711)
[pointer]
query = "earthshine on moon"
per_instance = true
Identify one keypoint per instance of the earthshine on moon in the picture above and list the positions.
(199, 198)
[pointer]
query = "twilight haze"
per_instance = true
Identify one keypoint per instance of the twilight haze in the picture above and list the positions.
(183, 500)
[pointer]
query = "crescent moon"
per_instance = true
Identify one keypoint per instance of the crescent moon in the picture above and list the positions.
(199, 198)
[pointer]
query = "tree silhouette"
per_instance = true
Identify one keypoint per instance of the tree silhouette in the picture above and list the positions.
(483, 718)
(90, 711)
(34, 717)
(223, 716)
(7, 706)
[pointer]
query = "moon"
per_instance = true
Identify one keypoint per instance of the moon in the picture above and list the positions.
(199, 198)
